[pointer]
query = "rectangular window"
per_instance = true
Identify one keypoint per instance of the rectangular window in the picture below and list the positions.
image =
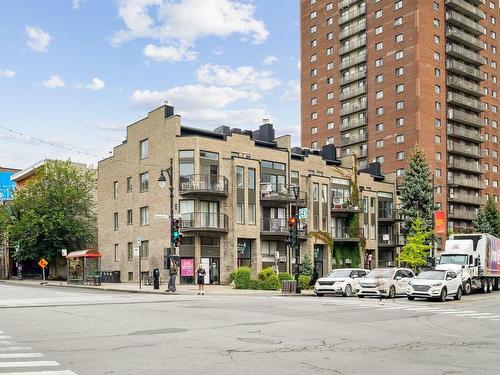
(400, 105)
(379, 62)
(379, 46)
(398, 72)
(398, 55)
(116, 253)
(400, 155)
(240, 213)
(144, 148)
(400, 121)
(398, 21)
(239, 177)
(398, 38)
(130, 251)
(130, 218)
(115, 221)
(129, 184)
(379, 30)
(115, 190)
(400, 138)
(144, 178)
(145, 215)
(398, 5)
(379, 143)
(400, 88)
(144, 249)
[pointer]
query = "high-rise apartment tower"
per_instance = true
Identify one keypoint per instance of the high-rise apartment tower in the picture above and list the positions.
(381, 76)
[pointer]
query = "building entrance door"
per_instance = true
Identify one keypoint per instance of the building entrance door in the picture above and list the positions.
(212, 268)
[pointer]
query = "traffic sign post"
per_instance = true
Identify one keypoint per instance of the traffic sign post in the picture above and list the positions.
(43, 263)
(138, 242)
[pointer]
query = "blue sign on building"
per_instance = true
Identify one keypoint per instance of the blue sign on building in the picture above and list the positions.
(6, 185)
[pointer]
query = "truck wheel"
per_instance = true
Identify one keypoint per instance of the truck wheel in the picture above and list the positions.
(348, 291)
(468, 288)
(411, 298)
(484, 286)
(319, 294)
(444, 294)
(490, 286)
(458, 296)
(361, 296)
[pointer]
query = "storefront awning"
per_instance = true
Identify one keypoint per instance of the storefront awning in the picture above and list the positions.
(89, 253)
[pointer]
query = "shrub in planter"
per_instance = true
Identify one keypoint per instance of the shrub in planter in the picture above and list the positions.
(304, 281)
(242, 278)
(284, 276)
(268, 279)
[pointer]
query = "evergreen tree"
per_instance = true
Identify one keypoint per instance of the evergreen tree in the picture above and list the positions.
(417, 193)
(307, 265)
(415, 252)
(481, 224)
(492, 216)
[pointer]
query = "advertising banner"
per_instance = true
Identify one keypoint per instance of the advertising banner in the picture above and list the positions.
(439, 222)
(187, 267)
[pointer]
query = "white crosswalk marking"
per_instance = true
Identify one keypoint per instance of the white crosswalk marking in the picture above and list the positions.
(21, 360)
(21, 355)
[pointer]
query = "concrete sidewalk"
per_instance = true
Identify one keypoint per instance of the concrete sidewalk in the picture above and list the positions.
(134, 288)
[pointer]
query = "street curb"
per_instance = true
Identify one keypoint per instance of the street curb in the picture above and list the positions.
(106, 289)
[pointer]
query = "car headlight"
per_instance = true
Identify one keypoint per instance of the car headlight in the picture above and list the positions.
(317, 283)
(437, 284)
(410, 282)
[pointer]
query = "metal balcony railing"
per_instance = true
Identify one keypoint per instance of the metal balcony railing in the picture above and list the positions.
(465, 38)
(352, 77)
(359, 153)
(464, 133)
(464, 85)
(354, 29)
(355, 138)
(389, 214)
(464, 117)
(343, 204)
(351, 93)
(346, 234)
(280, 192)
(467, 150)
(390, 240)
(347, 63)
(353, 108)
(466, 23)
(466, 8)
(274, 225)
(465, 198)
(465, 54)
(352, 15)
(354, 123)
(472, 183)
(466, 102)
(462, 214)
(203, 184)
(463, 69)
(358, 43)
(465, 166)
(204, 221)
(347, 3)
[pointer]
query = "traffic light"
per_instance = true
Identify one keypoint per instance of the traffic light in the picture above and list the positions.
(176, 232)
(292, 223)
(292, 226)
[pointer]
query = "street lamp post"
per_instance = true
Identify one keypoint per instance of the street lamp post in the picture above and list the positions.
(162, 181)
(296, 192)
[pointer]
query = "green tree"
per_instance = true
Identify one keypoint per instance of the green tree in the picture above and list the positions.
(417, 193)
(492, 216)
(307, 266)
(416, 250)
(55, 210)
(481, 223)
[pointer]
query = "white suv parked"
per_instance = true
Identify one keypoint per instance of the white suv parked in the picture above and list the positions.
(339, 281)
(388, 282)
(436, 285)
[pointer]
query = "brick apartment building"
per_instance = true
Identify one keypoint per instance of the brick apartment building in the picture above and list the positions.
(233, 193)
(381, 76)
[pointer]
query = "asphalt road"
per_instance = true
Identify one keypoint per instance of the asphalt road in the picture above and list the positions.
(56, 331)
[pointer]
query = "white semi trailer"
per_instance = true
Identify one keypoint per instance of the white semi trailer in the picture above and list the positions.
(476, 258)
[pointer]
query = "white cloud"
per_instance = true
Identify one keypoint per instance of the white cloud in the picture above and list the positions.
(76, 4)
(6, 73)
(192, 96)
(96, 84)
(292, 93)
(179, 23)
(269, 60)
(243, 77)
(38, 40)
(53, 82)
(169, 53)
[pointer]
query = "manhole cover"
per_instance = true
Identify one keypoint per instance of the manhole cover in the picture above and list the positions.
(256, 340)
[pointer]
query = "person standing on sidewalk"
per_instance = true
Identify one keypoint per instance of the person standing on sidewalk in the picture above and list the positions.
(172, 273)
(200, 275)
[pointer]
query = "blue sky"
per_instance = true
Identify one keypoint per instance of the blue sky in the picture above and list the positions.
(75, 73)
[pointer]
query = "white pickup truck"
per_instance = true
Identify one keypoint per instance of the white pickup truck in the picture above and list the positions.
(476, 259)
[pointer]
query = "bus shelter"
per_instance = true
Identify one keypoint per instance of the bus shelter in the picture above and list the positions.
(84, 267)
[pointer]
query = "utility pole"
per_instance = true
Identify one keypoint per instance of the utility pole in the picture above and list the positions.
(295, 240)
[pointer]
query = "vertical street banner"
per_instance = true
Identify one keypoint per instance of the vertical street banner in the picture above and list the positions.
(439, 222)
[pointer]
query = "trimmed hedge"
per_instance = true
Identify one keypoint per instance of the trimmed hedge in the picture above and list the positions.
(285, 276)
(304, 281)
(243, 278)
(269, 280)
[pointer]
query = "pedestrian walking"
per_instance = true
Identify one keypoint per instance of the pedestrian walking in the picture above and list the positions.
(172, 275)
(200, 275)
(314, 277)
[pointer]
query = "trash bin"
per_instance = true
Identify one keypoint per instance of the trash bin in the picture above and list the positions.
(156, 278)
(288, 286)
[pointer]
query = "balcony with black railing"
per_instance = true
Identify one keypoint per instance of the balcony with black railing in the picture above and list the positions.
(205, 184)
(346, 234)
(271, 193)
(390, 240)
(343, 205)
(204, 222)
(389, 214)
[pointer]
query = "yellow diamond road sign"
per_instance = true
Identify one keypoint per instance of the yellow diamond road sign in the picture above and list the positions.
(43, 263)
